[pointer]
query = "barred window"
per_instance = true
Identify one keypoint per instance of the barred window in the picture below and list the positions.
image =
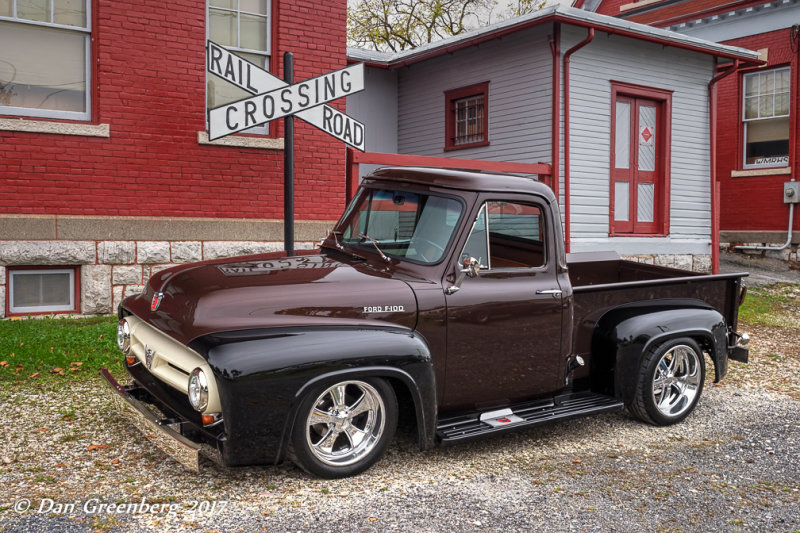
(467, 117)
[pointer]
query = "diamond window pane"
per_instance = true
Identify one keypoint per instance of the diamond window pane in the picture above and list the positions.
(647, 140)
(253, 6)
(621, 201)
(253, 32)
(622, 135)
(38, 10)
(222, 27)
(70, 12)
(645, 202)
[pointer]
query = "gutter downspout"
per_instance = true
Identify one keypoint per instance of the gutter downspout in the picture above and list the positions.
(555, 114)
(712, 113)
(567, 56)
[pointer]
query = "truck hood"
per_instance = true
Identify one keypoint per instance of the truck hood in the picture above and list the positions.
(266, 292)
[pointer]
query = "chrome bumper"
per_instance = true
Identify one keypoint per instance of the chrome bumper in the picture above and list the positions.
(167, 439)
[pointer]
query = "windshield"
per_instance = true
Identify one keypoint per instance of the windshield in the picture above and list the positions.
(415, 226)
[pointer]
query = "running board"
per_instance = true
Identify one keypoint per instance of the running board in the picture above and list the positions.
(464, 427)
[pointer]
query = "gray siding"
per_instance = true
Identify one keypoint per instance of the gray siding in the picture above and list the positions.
(376, 107)
(518, 68)
(687, 74)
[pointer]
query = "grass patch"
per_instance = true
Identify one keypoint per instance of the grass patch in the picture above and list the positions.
(57, 348)
(771, 306)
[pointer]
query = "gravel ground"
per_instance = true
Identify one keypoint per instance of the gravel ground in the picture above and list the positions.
(731, 466)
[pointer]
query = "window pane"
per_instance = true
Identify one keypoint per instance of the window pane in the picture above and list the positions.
(469, 120)
(644, 202)
(751, 108)
(767, 142)
(766, 82)
(477, 245)
(622, 137)
(222, 27)
(38, 10)
(765, 105)
(782, 104)
(228, 4)
(515, 235)
(253, 32)
(253, 6)
(26, 290)
(751, 85)
(70, 12)
(782, 80)
(5, 8)
(621, 201)
(41, 290)
(55, 289)
(42, 68)
(647, 138)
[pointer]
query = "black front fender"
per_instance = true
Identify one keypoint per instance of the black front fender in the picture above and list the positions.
(263, 375)
(623, 335)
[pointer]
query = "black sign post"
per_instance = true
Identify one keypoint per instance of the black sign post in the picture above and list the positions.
(288, 163)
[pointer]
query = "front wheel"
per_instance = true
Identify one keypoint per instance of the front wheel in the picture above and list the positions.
(671, 378)
(343, 429)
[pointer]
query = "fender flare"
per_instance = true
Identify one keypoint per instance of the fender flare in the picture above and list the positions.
(628, 332)
(263, 374)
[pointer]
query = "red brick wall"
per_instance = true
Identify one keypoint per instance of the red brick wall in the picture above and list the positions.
(150, 80)
(750, 203)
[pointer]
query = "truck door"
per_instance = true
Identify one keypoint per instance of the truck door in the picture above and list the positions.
(504, 326)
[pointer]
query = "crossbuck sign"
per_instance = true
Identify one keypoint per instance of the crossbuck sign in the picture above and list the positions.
(274, 98)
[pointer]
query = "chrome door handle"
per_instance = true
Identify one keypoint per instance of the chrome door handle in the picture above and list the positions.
(549, 291)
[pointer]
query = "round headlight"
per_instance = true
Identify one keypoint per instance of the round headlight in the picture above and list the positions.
(124, 336)
(198, 390)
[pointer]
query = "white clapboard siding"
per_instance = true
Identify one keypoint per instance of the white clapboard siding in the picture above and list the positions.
(685, 73)
(518, 68)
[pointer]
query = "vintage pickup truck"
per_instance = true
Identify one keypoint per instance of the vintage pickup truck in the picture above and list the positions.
(445, 296)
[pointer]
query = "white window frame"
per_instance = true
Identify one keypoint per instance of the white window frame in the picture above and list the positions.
(87, 31)
(41, 308)
(745, 121)
(265, 54)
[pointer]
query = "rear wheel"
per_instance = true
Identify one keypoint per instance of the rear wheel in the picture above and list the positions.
(670, 382)
(343, 429)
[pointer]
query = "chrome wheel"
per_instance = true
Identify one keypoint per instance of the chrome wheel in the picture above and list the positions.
(345, 423)
(677, 380)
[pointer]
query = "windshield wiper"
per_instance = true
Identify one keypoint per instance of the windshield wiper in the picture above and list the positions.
(375, 244)
(341, 247)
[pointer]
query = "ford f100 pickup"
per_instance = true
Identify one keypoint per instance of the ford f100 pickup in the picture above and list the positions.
(445, 296)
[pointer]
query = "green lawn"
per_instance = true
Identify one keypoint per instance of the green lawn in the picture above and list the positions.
(57, 348)
(776, 305)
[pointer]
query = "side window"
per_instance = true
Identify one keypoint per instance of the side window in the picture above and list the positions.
(508, 235)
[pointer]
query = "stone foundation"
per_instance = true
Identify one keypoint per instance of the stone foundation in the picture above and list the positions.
(113, 270)
(696, 262)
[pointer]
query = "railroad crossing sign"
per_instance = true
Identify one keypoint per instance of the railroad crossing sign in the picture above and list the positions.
(274, 98)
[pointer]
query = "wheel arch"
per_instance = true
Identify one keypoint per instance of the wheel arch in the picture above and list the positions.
(623, 335)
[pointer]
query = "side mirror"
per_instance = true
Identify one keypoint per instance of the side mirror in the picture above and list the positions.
(469, 267)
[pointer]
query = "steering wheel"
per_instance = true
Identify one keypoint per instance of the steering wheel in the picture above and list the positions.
(422, 246)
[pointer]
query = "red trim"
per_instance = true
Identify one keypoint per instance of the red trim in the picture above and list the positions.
(355, 158)
(477, 89)
(660, 225)
(567, 56)
(555, 111)
(556, 18)
(76, 278)
(713, 182)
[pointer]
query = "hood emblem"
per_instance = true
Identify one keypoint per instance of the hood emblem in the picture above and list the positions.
(157, 297)
(148, 356)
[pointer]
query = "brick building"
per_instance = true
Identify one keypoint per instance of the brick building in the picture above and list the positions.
(757, 126)
(106, 172)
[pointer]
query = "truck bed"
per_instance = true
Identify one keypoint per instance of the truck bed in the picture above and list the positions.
(602, 281)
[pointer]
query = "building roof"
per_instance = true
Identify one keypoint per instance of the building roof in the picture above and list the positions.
(668, 12)
(556, 13)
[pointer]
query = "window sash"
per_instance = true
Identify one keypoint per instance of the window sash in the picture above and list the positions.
(44, 308)
(84, 29)
(761, 91)
(469, 120)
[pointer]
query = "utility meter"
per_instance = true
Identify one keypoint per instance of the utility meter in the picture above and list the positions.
(791, 191)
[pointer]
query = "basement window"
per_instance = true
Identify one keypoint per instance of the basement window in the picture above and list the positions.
(765, 112)
(42, 290)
